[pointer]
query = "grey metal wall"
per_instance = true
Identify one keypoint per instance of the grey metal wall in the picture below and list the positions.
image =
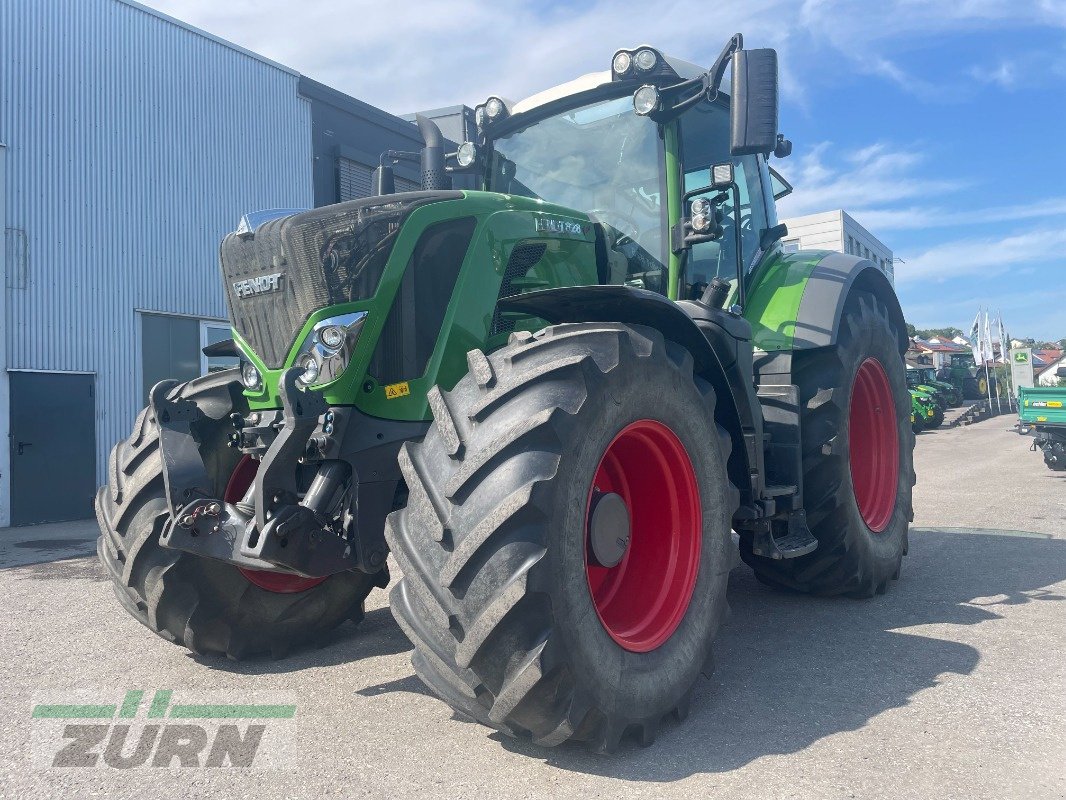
(134, 144)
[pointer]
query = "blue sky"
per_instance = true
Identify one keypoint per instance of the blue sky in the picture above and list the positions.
(940, 125)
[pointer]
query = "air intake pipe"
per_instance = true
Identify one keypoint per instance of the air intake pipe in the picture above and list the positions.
(433, 175)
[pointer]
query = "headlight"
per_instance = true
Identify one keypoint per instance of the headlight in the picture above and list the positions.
(311, 369)
(621, 63)
(250, 376)
(327, 350)
(645, 60)
(645, 100)
(701, 206)
(701, 223)
(332, 336)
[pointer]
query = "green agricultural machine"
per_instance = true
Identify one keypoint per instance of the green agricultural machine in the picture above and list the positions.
(925, 413)
(931, 396)
(1042, 413)
(551, 399)
(926, 376)
(967, 377)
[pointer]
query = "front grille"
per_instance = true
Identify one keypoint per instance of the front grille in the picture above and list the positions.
(292, 266)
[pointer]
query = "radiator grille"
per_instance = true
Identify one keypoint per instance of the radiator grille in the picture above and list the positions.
(307, 261)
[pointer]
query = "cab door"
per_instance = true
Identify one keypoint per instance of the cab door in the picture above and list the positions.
(704, 142)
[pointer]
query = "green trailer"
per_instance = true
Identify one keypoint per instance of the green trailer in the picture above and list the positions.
(551, 399)
(1042, 413)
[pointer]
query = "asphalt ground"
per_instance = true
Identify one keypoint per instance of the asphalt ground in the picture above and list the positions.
(951, 685)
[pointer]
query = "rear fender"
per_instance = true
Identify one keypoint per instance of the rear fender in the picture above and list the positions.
(798, 299)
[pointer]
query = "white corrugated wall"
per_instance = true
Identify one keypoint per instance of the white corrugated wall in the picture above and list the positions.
(133, 145)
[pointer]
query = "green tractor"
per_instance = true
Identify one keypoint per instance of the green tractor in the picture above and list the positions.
(926, 376)
(925, 413)
(551, 399)
(936, 401)
(967, 377)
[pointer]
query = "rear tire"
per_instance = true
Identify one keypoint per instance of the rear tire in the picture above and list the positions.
(938, 417)
(851, 559)
(206, 605)
(496, 593)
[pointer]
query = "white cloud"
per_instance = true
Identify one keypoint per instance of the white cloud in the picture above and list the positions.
(983, 257)
(443, 52)
(926, 217)
(878, 184)
(1021, 316)
(1004, 74)
(868, 178)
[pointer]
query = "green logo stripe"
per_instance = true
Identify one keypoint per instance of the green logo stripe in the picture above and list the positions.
(73, 712)
(159, 703)
(131, 704)
(233, 711)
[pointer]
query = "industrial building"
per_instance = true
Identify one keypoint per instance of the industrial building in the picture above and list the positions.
(130, 144)
(837, 230)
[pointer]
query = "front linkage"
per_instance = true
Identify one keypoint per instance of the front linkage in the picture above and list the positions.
(273, 525)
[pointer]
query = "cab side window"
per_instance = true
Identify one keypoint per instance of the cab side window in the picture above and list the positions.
(705, 142)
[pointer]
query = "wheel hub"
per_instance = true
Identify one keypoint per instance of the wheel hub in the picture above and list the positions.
(608, 529)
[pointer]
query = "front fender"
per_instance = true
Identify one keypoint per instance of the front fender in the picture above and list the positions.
(737, 406)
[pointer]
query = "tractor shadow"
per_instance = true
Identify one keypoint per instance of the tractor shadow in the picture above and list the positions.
(794, 669)
(377, 635)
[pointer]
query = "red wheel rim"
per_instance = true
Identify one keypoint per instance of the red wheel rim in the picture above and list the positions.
(643, 599)
(281, 582)
(874, 445)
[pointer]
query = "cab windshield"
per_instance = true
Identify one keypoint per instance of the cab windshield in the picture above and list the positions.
(601, 159)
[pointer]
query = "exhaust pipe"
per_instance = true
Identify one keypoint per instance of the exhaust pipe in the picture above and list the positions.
(433, 176)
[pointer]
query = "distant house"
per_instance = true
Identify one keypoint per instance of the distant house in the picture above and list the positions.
(934, 352)
(1046, 365)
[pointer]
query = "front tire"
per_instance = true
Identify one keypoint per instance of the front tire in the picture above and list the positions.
(208, 606)
(513, 621)
(857, 460)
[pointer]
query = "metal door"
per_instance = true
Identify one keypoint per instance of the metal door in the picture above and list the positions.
(53, 447)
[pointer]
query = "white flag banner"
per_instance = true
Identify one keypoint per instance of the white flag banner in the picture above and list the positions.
(990, 355)
(975, 338)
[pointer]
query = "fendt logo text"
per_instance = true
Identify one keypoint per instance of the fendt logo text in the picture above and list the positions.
(260, 284)
(139, 731)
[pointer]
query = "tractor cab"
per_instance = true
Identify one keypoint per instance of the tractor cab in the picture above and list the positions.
(672, 173)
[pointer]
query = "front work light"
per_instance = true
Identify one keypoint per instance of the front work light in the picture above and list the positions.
(621, 63)
(645, 60)
(701, 206)
(466, 155)
(646, 100)
(494, 108)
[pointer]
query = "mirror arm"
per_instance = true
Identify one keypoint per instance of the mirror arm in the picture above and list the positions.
(717, 72)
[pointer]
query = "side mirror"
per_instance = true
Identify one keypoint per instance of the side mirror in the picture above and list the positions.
(753, 102)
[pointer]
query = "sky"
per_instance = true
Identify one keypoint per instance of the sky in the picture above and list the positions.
(940, 125)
